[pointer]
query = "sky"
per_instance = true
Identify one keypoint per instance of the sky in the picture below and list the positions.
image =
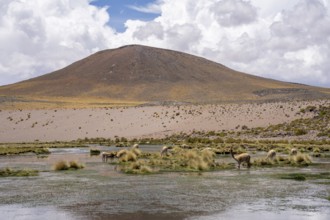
(278, 39)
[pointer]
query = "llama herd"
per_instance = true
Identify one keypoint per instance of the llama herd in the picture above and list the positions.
(240, 158)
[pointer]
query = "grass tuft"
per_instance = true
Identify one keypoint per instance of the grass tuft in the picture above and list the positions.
(61, 165)
(64, 165)
(76, 165)
(129, 156)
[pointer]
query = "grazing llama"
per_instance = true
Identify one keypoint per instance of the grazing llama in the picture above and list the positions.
(271, 154)
(164, 151)
(241, 158)
(293, 151)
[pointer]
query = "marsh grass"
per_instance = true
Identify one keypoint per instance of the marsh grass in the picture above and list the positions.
(8, 172)
(300, 159)
(127, 156)
(304, 176)
(265, 162)
(64, 165)
(297, 160)
(179, 160)
(76, 165)
(23, 150)
(61, 165)
(138, 167)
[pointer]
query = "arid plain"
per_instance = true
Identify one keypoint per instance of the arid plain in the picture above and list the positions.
(144, 121)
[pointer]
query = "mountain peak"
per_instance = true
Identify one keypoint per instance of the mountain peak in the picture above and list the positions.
(143, 73)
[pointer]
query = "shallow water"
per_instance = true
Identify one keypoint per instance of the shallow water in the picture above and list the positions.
(100, 192)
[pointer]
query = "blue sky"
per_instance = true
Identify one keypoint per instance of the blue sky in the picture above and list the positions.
(121, 10)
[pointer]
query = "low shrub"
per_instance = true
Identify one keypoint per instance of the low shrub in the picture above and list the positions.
(94, 152)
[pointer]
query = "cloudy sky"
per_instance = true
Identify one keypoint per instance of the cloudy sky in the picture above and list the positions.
(279, 39)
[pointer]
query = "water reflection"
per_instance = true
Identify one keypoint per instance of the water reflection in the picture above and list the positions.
(18, 212)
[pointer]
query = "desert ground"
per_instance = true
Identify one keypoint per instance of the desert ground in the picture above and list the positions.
(144, 121)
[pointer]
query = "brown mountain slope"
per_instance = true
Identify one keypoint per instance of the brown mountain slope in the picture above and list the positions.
(140, 73)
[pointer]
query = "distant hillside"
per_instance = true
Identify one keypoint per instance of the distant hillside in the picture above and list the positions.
(147, 74)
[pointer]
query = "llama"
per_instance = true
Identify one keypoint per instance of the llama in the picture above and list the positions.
(121, 153)
(271, 154)
(241, 158)
(164, 151)
(106, 155)
(293, 151)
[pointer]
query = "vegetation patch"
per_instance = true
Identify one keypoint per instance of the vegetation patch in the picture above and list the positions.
(7, 172)
(23, 150)
(139, 167)
(64, 165)
(296, 160)
(94, 152)
(305, 176)
(179, 159)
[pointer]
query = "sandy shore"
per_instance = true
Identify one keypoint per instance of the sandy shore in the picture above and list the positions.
(135, 122)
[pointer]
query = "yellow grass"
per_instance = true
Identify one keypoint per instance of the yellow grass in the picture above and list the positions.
(41, 102)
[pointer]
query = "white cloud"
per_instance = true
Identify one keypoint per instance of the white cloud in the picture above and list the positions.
(234, 12)
(273, 38)
(43, 35)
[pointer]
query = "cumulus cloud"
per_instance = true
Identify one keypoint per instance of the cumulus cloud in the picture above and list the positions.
(272, 38)
(234, 12)
(43, 35)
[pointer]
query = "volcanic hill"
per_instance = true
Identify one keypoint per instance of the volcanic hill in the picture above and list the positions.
(147, 74)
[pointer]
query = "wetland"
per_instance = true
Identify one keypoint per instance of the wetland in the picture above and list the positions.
(105, 191)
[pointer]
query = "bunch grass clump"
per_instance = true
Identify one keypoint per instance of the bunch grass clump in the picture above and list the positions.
(128, 155)
(61, 165)
(265, 162)
(138, 167)
(64, 165)
(76, 165)
(194, 160)
(301, 159)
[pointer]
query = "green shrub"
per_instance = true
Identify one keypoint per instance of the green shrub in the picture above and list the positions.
(300, 131)
(94, 152)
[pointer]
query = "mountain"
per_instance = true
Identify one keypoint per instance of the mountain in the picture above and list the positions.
(147, 74)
